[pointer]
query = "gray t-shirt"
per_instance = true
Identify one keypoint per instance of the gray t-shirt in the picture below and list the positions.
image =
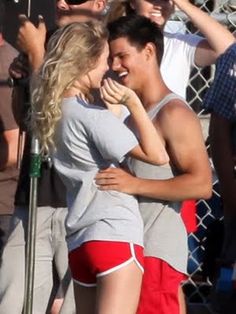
(89, 138)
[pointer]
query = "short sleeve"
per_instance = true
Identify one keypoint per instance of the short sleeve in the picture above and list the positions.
(190, 42)
(112, 138)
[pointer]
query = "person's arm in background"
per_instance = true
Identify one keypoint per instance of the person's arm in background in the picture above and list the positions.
(220, 135)
(8, 152)
(9, 131)
(217, 37)
(31, 41)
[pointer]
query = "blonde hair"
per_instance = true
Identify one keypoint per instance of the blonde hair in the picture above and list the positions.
(72, 52)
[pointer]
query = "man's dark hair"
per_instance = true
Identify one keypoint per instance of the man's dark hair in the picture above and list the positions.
(139, 31)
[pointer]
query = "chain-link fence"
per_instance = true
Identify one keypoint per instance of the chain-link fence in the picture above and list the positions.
(205, 243)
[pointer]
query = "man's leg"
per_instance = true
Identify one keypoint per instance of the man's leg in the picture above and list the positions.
(4, 230)
(160, 288)
(44, 254)
(223, 298)
(12, 270)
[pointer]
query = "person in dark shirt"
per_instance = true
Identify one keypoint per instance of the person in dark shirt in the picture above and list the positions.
(220, 102)
(9, 132)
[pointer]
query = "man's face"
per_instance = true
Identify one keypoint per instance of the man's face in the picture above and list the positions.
(158, 11)
(68, 13)
(129, 63)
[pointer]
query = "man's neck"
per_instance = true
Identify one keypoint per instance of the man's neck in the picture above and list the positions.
(153, 91)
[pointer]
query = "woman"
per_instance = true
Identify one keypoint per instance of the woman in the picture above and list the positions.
(104, 229)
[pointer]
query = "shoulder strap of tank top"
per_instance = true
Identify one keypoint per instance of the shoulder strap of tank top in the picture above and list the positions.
(154, 111)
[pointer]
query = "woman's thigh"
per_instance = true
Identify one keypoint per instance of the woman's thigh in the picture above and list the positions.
(119, 291)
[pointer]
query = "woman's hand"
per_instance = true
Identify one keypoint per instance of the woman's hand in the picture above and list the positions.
(114, 93)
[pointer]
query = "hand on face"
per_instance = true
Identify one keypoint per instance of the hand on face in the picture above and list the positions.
(158, 11)
(68, 11)
(179, 3)
(114, 93)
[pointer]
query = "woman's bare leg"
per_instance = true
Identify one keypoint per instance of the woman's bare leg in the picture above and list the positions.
(119, 291)
(85, 299)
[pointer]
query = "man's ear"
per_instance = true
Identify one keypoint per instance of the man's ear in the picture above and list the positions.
(100, 5)
(150, 50)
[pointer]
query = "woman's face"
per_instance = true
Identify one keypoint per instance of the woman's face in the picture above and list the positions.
(96, 75)
(158, 11)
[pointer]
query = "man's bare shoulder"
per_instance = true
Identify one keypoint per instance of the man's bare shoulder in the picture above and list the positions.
(175, 109)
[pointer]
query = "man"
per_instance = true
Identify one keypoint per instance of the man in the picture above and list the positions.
(9, 133)
(51, 248)
(136, 60)
(220, 101)
(184, 51)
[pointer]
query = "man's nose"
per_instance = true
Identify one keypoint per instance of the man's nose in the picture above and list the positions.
(115, 64)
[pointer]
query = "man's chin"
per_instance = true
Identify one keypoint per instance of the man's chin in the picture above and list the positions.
(59, 21)
(62, 19)
(124, 81)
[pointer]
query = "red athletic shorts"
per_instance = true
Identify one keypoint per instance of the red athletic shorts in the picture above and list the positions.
(159, 294)
(94, 259)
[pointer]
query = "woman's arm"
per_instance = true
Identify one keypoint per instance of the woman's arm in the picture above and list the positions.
(150, 148)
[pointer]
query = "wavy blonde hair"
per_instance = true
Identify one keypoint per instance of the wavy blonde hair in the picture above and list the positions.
(72, 52)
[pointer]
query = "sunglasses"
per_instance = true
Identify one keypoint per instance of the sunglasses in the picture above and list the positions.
(75, 2)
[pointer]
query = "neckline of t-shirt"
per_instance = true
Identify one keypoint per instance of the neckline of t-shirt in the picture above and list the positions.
(77, 98)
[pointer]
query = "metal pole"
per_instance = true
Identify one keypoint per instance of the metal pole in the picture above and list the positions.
(32, 226)
(35, 165)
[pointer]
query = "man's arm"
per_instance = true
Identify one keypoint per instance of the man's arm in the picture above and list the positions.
(217, 37)
(181, 130)
(223, 157)
(8, 152)
(31, 40)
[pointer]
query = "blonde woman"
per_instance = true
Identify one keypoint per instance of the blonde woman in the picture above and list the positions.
(104, 229)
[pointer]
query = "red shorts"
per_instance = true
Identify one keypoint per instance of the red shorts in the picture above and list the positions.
(94, 259)
(188, 214)
(160, 286)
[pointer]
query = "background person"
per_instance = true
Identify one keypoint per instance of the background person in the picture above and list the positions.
(9, 133)
(185, 50)
(220, 101)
